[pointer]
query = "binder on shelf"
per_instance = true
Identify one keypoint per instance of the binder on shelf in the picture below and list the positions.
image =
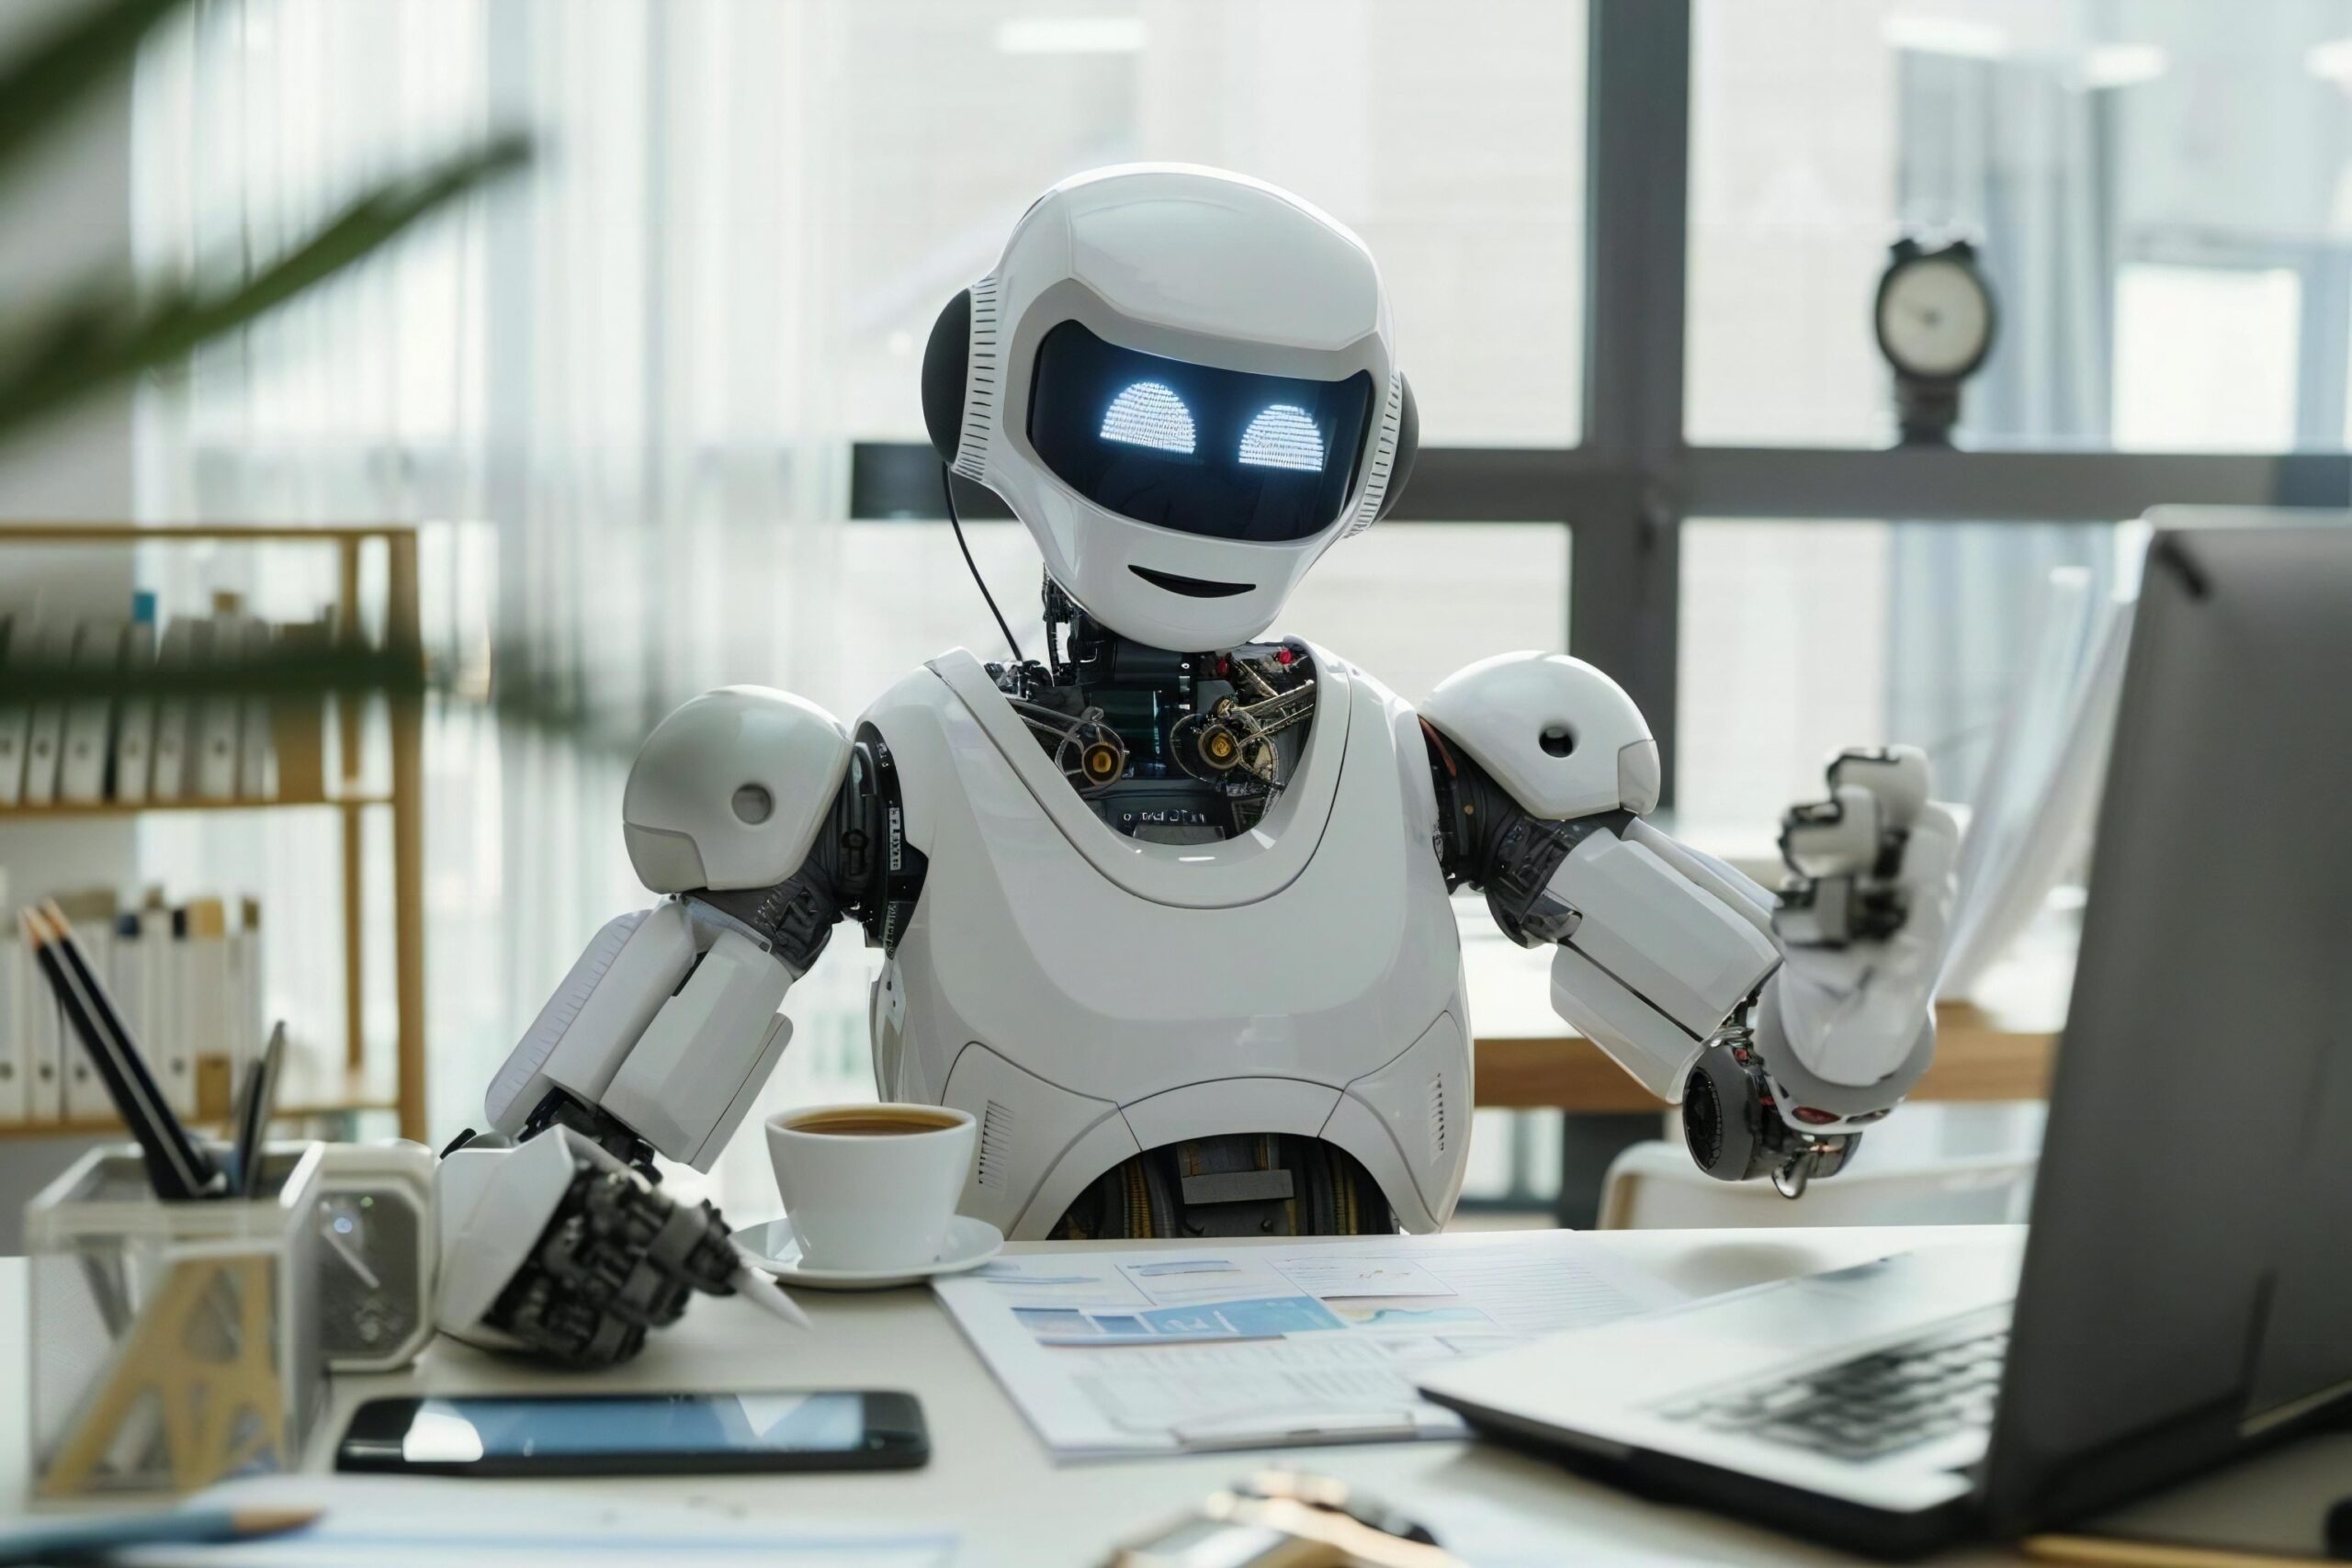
(243, 1022)
(257, 756)
(89, 720)
(201, 931)
(134, 733)
(53, 649)
(214, 751)
(16, 718)
(298, 728)
(170, 777)
(45, 1044)
(15, 1026)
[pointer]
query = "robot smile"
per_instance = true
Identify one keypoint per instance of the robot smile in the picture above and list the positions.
(1191, 587)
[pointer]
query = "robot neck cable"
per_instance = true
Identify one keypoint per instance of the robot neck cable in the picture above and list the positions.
(948, 490)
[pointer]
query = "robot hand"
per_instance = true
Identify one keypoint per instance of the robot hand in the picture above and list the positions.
(554, 1238)
(1844, 1027)
(554, 1247)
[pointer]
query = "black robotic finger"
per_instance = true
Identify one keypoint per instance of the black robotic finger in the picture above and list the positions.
(617, 1259)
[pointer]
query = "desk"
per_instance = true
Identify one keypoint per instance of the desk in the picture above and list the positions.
(1980, 1054)
(991, 1481)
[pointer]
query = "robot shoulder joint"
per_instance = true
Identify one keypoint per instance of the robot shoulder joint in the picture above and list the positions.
(1561, 738)
(730, 790)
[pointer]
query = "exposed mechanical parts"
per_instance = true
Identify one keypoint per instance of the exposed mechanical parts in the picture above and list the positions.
(619, 1258)
(1732, 1123)
(1234, 737)
(1488, 841)
(1169, 747)
(1090, 753)
(1241, 1184)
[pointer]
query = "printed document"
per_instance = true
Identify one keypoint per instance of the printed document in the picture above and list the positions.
(1159, 1350)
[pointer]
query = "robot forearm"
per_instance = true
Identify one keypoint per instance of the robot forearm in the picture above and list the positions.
(655, 1041)
(1653, 962)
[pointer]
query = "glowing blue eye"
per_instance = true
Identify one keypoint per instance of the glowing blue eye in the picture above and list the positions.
(1284, 437)
(1149, 414)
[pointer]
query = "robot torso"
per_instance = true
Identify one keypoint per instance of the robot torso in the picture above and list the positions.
(1088, 994)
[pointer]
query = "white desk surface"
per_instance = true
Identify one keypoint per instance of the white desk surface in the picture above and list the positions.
(991, 1481)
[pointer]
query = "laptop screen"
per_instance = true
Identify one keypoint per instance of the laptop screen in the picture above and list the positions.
(2188, 1283)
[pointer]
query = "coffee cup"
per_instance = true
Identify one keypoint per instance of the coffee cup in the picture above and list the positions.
(871, 1187)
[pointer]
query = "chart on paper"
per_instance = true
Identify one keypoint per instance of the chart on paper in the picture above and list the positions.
(1157, 1350)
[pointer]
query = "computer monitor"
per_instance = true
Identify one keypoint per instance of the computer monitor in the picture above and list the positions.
(2188, 1288)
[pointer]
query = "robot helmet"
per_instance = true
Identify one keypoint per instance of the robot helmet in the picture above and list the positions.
(1185, 382)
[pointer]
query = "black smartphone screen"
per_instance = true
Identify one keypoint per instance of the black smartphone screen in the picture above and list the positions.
(627, 1434)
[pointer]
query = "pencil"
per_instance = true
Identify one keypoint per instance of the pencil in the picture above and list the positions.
(169, 1168)
(102, 1534)
(134, 1062)
(2121, 1552)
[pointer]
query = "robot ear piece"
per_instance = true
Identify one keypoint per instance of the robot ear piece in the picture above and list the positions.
(1408, 447)
(946, 360)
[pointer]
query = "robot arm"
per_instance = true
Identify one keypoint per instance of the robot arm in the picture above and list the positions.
(666, 1025)
(655, 1041)
(1782, 1023)
(741, 805)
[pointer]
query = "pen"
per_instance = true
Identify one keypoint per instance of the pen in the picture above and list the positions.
(187, 1150)
(253, 1111)
(174, 1169)
(767, 1295)
(103, 1533)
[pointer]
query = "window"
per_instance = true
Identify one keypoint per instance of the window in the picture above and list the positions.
(2153, 188)
(1449, 138)
(1411, 603)
(1799, 638)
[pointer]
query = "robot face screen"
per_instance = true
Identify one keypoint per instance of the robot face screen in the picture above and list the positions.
(1221, 453)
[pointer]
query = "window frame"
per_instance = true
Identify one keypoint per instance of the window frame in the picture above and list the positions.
(1626, 487)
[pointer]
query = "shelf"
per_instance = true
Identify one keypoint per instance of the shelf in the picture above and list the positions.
(328, 1094)
(398, 1084)
(201, 533)
(122, 808)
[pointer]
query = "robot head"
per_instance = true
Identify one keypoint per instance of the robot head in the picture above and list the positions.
(1185, 382)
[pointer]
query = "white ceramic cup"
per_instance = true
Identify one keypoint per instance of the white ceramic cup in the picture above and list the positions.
(865, 1201)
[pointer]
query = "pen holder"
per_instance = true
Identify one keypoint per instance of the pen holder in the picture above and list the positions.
(172, 1344)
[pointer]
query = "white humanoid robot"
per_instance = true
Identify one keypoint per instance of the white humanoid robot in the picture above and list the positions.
(1169, 911)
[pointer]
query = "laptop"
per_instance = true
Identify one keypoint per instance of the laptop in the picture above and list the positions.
(2184, 1291)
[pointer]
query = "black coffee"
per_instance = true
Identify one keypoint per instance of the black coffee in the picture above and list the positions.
(873, 1123)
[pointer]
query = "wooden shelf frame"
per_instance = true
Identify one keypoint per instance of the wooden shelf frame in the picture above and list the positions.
(404, 800)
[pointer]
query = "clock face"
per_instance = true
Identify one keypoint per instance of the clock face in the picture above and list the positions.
(371, 1296)
(1934, 317)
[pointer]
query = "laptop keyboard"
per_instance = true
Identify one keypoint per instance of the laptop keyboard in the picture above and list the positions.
(1869, 1406)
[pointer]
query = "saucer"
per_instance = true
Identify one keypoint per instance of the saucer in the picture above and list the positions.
(773, 1249)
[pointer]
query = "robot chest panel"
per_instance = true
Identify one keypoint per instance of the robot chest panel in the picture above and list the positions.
(1022, 942)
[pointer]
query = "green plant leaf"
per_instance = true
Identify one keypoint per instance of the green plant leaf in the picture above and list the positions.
(41, 87)
(107, 334)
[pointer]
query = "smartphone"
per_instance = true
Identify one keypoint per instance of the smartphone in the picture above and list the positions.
(636, 1434)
